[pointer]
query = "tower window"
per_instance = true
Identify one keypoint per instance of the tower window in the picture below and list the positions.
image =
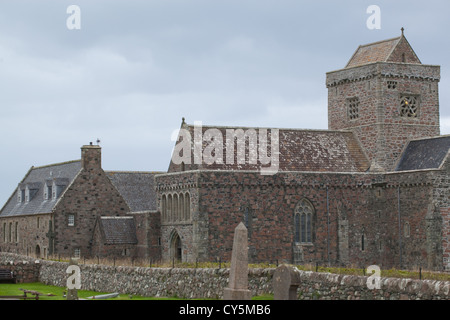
(353, 108)
(392, 84)
(409, 106)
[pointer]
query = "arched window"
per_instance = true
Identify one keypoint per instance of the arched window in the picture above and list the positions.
(169, 207)
(16, 232)
(303, 222)
(10, 232)
(181, 208)
(187, 206)
(175, 207)
(164, 207)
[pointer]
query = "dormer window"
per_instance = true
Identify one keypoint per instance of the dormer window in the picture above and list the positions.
(48, 192)
(48, 187)
(59, 190)
(31, 190)
(20, 195)
(59, 184)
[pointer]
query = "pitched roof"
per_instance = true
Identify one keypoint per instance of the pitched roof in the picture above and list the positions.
(391, 50)
(424, 154)
(37, 180)
(299, 150)
(137, 188)
(118, 230)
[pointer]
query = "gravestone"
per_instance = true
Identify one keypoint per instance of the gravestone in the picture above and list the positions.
(286, 280)
(74, 280)
(238, 281)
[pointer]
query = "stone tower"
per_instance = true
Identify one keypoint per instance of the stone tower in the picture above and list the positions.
(386, 96)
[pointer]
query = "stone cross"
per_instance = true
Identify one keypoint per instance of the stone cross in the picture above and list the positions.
(51, 238)
(238, 282)
(286, 280)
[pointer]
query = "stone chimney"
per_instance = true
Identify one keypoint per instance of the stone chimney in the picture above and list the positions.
(91, 157)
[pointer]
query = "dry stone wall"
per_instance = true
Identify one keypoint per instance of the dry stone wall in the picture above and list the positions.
(210, 283)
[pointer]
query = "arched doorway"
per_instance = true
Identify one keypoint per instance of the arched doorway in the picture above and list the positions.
(176, 251)
(37, 251)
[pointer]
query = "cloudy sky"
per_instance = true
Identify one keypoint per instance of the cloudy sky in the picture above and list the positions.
(135, 68)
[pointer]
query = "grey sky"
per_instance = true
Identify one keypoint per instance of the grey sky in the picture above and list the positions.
(135, 68)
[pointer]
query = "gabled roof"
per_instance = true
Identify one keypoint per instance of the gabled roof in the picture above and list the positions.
(299, 150)
(424, 154)
(137, 188)
(117, 230)
(37, 179)
(391, 50)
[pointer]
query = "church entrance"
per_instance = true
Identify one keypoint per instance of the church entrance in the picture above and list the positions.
(176, 247)
(38, 251)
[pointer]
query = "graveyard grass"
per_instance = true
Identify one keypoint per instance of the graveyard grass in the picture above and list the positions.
(14, 290)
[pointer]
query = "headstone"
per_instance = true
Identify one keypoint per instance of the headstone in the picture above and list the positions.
(286, 280)
(74, 280)
(238, 282)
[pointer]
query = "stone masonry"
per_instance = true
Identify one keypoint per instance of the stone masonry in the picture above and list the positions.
(210, 283)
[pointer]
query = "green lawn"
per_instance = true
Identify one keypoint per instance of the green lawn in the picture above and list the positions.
(14, 290)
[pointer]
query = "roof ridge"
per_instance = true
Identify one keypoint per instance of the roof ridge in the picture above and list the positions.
(291, 129)
(378, 42)
(56, 164)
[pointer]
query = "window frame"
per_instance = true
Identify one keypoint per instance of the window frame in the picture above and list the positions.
(71, 220)
(353, 108)
(304, 222)
(408, 112)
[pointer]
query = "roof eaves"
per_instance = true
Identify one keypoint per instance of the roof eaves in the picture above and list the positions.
(353, 55)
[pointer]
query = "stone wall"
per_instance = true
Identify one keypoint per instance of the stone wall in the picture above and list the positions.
(26, 271)
(357, 217)
(210, 283)
(25, 234)
(325, 286)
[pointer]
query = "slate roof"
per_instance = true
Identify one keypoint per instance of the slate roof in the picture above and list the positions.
(37, 178)
(300, 150)
(118, 230)
(424, 154)
(381, 51)
(137, 188)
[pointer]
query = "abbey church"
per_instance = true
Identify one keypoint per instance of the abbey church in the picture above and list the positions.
(372, 189)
